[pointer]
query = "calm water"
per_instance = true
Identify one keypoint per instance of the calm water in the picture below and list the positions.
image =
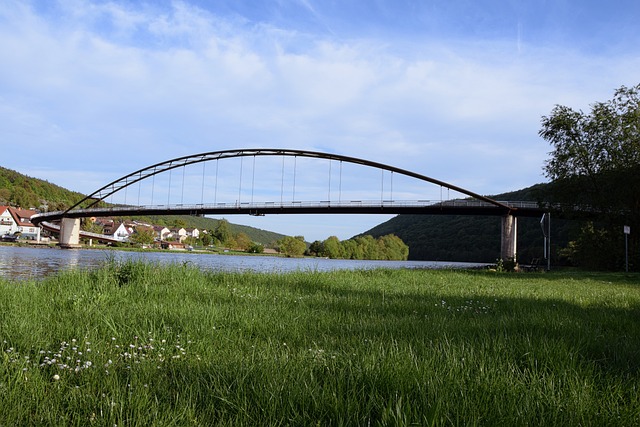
(26, 262)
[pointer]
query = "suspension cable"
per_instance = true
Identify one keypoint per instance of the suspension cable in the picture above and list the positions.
(381, 186)
(153, 187)
(253, 177)
(215, 192)
(295, 159)
(182, 194)
(240, 183)
(340, 184)
(282, 183)
(329, 195)
(169, 195)
(202, 191)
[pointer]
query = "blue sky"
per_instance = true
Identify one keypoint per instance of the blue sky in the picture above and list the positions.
(92, 90)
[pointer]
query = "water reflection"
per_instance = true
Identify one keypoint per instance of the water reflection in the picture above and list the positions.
(22, 263)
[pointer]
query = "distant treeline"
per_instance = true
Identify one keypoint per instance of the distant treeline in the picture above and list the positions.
(387, 247)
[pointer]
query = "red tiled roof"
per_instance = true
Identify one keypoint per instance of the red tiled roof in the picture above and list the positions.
(22, 216)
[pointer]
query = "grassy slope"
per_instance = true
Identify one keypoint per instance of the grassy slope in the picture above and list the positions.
(176, 346)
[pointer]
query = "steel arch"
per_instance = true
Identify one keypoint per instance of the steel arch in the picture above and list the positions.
(149, 171)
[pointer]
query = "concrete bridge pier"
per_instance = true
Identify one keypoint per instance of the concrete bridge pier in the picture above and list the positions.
(70, 233)
(508, 244)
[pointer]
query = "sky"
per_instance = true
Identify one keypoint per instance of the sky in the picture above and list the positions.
(91, 90)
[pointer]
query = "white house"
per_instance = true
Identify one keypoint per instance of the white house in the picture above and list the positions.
(193, 232)
(161, 232)
(117, 231)
(15, 220)
(179, 234)
(7, 224)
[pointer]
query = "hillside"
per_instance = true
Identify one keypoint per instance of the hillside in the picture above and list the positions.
(21, 190)
(473, 238)
(24, 191)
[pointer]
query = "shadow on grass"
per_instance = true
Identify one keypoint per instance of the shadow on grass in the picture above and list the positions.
(599, 333)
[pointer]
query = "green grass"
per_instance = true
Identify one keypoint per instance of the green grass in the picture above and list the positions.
(142, 344)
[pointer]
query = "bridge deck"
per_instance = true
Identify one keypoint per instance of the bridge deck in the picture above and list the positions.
(452, 207)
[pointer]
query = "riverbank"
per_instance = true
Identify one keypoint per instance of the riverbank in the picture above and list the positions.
(135, 343)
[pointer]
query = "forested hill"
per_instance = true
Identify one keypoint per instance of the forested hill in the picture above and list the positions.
(473, 238)
(24, 191)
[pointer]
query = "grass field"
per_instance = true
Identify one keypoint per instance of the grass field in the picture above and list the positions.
(142, 344)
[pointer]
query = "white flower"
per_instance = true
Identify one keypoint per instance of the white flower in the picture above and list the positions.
(56, 377)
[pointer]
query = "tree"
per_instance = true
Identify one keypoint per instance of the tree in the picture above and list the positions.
(206, 239)
(595, 160)
(607, 139)
(222, 232)
(333, 248)
(255, 248)
(394, 248)
(292, 246)
(5, 196)
(142, 236)
(243, 241)
(178, 223)
(316, 248)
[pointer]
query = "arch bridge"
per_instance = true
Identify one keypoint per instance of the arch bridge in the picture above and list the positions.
(283, 181)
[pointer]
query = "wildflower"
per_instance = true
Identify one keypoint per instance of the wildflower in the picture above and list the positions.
(56, 377)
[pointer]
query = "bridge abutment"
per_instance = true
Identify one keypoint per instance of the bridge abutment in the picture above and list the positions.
(508, 246)
(70, 233)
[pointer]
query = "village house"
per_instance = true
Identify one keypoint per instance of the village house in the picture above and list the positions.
(193, 232)
(178, 234)
(116, 231)
(16, 221)
(162, 232)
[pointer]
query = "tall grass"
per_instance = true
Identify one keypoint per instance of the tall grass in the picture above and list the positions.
(134, 343)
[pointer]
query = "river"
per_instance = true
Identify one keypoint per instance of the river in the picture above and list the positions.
(23, 263)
